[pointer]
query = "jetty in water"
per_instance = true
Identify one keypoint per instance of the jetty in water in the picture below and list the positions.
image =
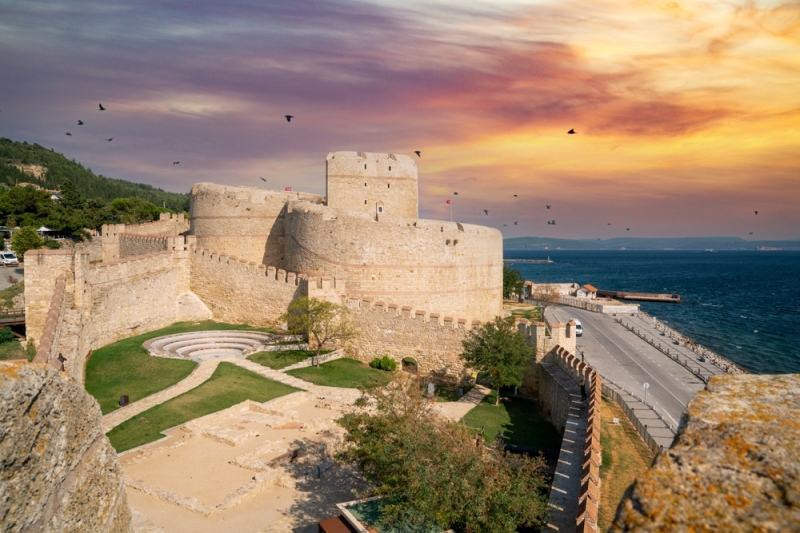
(640, 296)
(528, 260)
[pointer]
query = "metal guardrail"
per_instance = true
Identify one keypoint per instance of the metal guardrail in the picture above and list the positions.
(665, 351)
(641, 428)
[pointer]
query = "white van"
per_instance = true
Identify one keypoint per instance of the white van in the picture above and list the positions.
(578, 327)
(9, 259)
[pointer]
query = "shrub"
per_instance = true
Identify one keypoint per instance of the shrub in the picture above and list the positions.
(6, 335)
(30, 349)
(386, 363)
(52, 244)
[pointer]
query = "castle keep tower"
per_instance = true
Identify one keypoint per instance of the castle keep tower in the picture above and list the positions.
(380, 185)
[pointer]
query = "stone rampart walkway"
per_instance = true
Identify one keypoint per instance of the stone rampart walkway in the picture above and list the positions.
(200, 375)
(566, 486)
(457, 410)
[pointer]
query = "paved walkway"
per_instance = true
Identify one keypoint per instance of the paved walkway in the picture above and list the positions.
(457, 410)
(566, 486)
(273, 374)
(200, 375)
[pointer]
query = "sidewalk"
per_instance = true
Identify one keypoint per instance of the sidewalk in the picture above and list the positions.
(195, 379)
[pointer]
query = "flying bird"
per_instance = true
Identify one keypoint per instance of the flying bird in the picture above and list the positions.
(598, 238)
(609, 223)
(111, 139)
(515, 196)
(419, 153)
(515, 222)
(571, 132)
(176, 162)
(486, 211)
(456, 193)
(505, 225)
(80, 123)
(751, 233)
(627, 229)
(102, 108)
(68, 133)
(264, 180)
(289, 118)
(756, 212)
(548, 207)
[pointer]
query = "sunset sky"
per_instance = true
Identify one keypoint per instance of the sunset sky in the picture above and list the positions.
(687, 113)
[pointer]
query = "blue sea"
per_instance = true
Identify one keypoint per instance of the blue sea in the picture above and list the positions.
(744, 305)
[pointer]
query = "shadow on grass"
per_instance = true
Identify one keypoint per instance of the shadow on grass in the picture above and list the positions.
(227, 386)
(282, 358)
(125, 367)
(521, 421)
(344, 372)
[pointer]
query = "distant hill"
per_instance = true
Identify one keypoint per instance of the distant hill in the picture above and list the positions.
(49, 169)
(634, 243)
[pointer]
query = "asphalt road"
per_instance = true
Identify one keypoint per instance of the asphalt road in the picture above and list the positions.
(622, 357)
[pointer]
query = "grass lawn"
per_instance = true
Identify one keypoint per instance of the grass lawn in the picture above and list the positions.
(522, 423)
(625, 457)
(228, 386)
(343, 372)
(7, 295)
(126, 368)
(534, 314)
(443, 394)
(283, 358)
(12, 350)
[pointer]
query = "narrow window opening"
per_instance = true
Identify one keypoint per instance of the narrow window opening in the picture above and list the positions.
(390, 168)
(388, 185)
(365, 202)
(365, 185)
(365, 166)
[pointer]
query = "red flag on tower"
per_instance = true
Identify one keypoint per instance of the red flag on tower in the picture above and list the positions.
(289, 189)
(448, 202)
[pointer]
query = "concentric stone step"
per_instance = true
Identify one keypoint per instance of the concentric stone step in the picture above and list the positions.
(215, 345)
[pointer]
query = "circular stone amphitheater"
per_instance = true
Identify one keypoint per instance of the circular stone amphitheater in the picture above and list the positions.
(210, 345)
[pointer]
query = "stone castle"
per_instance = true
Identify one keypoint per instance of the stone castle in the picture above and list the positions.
(415, 287)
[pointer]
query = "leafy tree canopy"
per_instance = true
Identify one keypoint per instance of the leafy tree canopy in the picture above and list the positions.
(513, 282)
(432, 472)
(499, 350)
(324, 322)
(26, 239)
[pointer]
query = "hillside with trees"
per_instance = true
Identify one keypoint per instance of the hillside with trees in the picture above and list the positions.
(56, 169)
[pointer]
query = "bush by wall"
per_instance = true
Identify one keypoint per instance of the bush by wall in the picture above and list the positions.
(386, 363)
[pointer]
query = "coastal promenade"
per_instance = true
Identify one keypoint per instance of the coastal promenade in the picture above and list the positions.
(627, 361)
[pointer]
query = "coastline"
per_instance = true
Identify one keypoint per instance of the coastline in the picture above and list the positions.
(717, 360)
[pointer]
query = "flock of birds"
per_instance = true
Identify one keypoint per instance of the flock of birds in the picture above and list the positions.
(289, 118)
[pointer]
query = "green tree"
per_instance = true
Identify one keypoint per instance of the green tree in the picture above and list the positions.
(432, 473)
(71, 197)
(513, 282)
(499, 350)
(134, 210)
(25, 239)
(325, 322)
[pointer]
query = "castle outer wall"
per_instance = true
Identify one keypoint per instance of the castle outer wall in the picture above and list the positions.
(243, 222)
(451, 268)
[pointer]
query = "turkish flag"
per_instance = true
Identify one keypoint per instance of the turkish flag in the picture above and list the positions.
(448, 202)
(288, 189)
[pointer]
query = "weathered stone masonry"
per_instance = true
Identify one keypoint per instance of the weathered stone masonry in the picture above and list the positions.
(60, 473)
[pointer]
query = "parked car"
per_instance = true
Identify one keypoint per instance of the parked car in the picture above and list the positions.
(9, 259)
